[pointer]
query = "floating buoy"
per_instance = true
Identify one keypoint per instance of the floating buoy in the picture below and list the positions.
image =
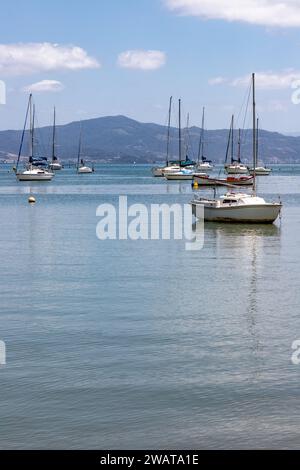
(195, 185)
(31, 200)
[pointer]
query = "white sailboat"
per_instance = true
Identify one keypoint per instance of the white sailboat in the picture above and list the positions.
(160, 171)
(230, 180)
(236, 167)
(81, 166)
(239, 207)
(181, 173)
(259, 170)
(55, 164)
(203, 165)
(33, 171)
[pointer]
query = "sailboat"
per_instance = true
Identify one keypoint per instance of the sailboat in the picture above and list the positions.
(203, 165)
(182, 173)
(169, 167)
(81, 167)
(236, 167)
(55, 164)
(230, 180)
(259, 170)
(239, 207)
(34, 170)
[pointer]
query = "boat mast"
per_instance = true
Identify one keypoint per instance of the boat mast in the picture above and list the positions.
(79, 145)
(53, 136)
(30, 127)
(169, 126)
(32, 132)
(254, 134)
(239, 147)
(232, 139)
(257, 126)
(187, 134)
(179, 130)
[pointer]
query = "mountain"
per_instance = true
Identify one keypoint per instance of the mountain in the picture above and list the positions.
(118, 139)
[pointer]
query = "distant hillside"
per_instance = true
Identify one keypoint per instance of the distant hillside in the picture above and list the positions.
(120, 139)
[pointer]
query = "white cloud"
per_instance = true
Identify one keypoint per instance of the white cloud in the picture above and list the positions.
(44, 86)
(19, 59)
(143, 60)
(277, 13)
(270, 80)
(217, 81)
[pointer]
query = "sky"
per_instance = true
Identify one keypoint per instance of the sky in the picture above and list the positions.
(96, 58)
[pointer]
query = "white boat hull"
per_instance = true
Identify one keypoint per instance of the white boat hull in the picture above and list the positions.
(236, 170)
(85, 169)
(255, 214)
(260, 171)
(179, 177)
(55, 166)
(34, 177)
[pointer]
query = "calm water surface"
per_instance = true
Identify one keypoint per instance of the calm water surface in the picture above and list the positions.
(123, 344)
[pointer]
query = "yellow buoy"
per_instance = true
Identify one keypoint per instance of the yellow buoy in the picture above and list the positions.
(195, 185)
(31, 200)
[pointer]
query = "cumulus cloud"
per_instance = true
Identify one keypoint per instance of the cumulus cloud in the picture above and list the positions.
(274, 13)
(44, 86)
(265, 80)
(21, 58)
(270, 80)
(143, 60)
(217, 80)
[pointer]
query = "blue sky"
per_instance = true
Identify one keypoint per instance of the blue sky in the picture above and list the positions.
(194, 44)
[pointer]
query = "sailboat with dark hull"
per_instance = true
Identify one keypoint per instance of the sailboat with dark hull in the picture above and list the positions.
(35, 169)
(239, 207)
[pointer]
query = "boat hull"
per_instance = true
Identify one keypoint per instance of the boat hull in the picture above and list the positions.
(254, 214)
(55, 166)
(265, 172)
(236, 170)
(85, 169)
(24, 177)
(208, 181)
(179, 177)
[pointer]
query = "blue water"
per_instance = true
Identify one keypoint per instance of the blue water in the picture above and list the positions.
(142, 344)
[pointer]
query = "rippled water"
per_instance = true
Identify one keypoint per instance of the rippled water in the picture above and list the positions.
(142, 344)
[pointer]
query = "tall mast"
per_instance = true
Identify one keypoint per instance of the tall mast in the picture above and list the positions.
(79, 145)
(200, 149)
(30, 127)
(32, 131)
(239, 147)
(53, 136)
(257, 130)
(254, 133)
(187, 134)
(179, 129)
(232, 139)
(169, 126)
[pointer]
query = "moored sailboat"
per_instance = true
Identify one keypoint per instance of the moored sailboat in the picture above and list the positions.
(55, 164)
(239, 207)
(81, 166)
(203, 164)
(34, 170)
